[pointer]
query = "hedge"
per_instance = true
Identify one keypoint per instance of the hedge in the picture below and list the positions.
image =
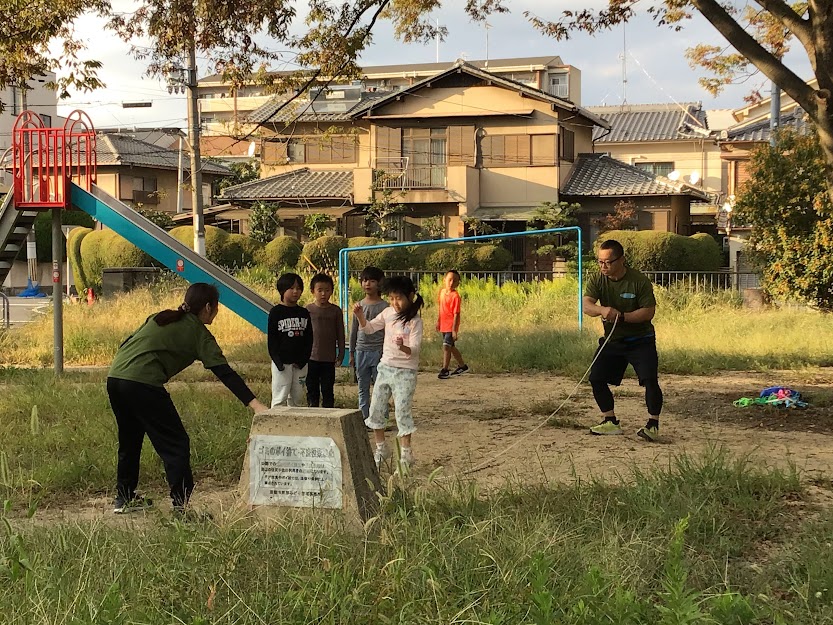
(390, 258)
(649, 250)
(76, 236)
(216, 241)
(322, 253)
(468, 257)
(43, 231)
(280, 253)
(101, 249)
(239, 251)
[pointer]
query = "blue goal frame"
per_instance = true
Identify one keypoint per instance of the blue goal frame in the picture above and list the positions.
(344, 265)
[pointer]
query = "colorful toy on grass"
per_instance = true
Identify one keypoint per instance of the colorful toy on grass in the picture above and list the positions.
(779, 396)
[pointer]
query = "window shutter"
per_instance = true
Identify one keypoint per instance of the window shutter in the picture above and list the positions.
(543, 150)
(388, 144)
(273, 152)
(461, 145)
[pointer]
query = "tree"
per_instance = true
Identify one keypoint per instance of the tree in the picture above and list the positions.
(382, 211)
(247, 171)
(760, 36)
(433, 228)
(786, 203)
(315, 225)
(263, 221)
(556, 215)
(622, 218)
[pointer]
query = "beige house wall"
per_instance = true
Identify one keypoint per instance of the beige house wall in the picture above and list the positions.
(121, 184)
(702, 156)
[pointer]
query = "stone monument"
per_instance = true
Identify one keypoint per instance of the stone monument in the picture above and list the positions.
(310, 459)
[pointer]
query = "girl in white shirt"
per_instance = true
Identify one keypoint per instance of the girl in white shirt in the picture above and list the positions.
(397, 371)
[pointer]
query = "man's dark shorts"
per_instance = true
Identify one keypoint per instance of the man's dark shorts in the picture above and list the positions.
(640, 353)
(448, 339)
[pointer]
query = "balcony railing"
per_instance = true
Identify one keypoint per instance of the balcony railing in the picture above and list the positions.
(427, 177)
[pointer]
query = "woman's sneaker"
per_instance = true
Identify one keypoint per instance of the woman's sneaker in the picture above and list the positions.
(444, 374)
(460, 370)
(648, 433)
(406, 458)
(137, 503)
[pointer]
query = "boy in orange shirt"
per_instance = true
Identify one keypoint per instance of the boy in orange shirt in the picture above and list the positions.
(448, 323)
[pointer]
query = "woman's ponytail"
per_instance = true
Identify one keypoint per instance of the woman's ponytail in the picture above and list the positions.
(196, 297)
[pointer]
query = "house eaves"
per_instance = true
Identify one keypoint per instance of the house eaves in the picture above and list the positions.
(461, 67)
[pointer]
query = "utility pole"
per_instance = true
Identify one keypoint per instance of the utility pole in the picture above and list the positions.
(774, 112)
(194, 138)
(179, 180)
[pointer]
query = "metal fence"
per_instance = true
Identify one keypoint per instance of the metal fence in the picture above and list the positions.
(695, 281)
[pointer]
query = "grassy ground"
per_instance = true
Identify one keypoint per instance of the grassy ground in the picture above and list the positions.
(516, 327)
(708, 540)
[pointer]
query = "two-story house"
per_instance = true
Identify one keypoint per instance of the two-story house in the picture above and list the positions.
(462, 144)
(226, 113)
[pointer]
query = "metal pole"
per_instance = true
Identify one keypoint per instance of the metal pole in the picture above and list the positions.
(31, 242)
(774, 112)
(179, 180)
(196, 165)
(57, 295)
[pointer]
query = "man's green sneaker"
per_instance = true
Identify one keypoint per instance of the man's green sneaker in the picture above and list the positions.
(606, 428)
(650, 434)
(136, 503)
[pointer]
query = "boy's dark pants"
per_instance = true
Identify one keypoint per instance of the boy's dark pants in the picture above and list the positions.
(321, 381)
(143, 409)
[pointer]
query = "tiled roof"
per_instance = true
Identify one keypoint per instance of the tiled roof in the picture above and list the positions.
(758, 130)
(299, 183)
(651, 122)
(118, 149)
(304, 111)
(604, 176)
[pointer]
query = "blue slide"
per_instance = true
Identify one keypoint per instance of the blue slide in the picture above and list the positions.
(180, 259)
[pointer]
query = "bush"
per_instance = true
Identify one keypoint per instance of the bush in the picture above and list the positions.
(492, 258)
(279, 253)
(101, 249)
(648, 250)
(391, 258)
(79, 276)
(322, 253)
(43, 231)
(467, 257)
(216, 241)
(239, 251)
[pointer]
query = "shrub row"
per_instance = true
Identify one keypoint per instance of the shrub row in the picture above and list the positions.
(648, 250)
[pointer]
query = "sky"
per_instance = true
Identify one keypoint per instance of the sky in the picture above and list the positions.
(656, 68)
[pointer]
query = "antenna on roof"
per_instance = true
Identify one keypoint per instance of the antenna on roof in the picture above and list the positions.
(624, 58)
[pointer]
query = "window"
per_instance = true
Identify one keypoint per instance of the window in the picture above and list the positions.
(662, 168)
(425, 149)
(47, 120)
(559, 85)
(330, 149)
(518, 150)
(568, 145)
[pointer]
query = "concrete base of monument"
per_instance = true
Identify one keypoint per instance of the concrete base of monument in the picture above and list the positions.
(310, 461)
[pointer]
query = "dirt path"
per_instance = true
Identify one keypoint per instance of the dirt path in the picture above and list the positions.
(466, 422)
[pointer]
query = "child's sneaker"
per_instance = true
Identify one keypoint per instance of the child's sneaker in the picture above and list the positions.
(460, 370)
(137, 503)
(381, 454)
(406, 458)
(606, 428)
(444, 374)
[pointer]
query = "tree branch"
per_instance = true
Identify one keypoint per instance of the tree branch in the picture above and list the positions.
(796, 24)
(746, 44)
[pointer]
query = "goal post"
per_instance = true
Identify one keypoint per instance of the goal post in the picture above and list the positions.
(344, 261)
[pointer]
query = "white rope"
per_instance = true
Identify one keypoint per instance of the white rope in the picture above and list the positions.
(518, 441)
